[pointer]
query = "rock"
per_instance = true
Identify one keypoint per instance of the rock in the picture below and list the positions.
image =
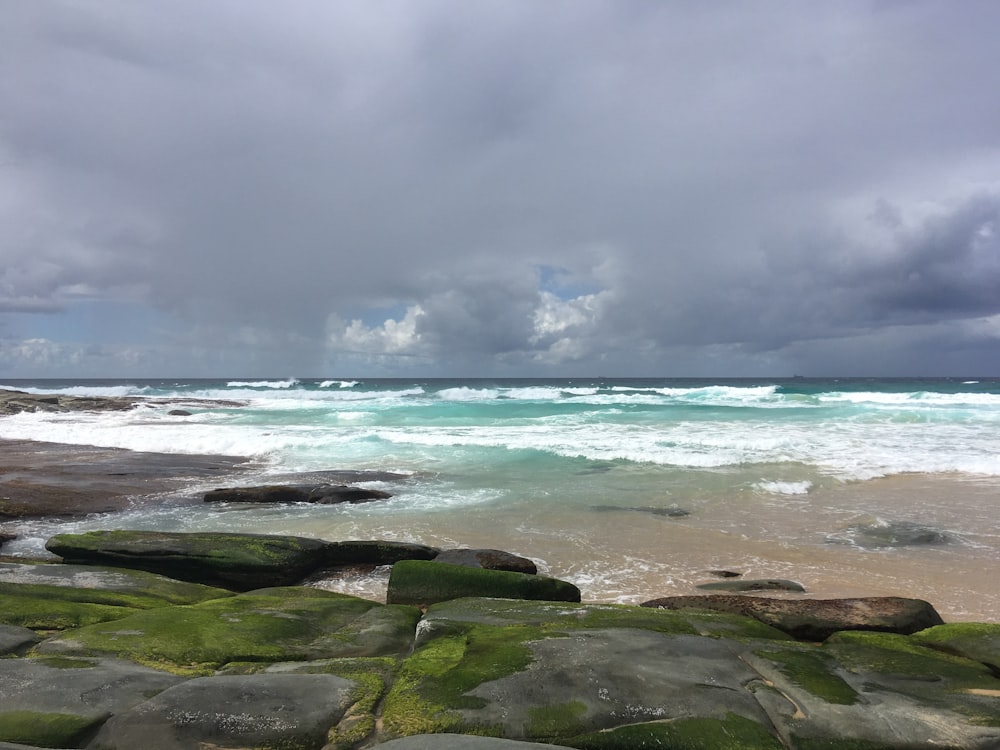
(179, 413)
(973, 640)
(490, 559)
(875, 690)
(420, 582)
(50, 479)
(605, 676)
(57, 597)
(6, 537)
(724, 573)
(240, 562)
(14, 639)
(282, 624)
(770, 584)
(377, 552)
(287, 711)
(816, 619)
(326, 494)
(555, 672)
(13, 402)
(895, 534)
(57, 702)
(669, 512)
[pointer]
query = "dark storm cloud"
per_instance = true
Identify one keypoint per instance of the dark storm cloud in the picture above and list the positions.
(395, 185)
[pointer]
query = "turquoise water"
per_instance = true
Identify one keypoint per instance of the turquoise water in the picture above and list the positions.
(590, 476)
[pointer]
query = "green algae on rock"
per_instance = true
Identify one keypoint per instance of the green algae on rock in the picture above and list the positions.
(420, 582)
(241, 562)
(44, 729)
(281, 624)
(974, 640)
(732, 732)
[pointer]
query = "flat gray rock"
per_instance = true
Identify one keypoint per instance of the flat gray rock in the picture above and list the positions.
(233, 711)
(71, 697)
(14, 638)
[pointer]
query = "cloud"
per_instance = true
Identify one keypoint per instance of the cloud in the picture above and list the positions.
(491, 188)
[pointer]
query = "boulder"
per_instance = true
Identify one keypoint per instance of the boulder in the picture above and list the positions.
(326, 494)
(490, 559)
(420, 582)
(816, 619)
(279, 711)
(282, 624)
(240, 562)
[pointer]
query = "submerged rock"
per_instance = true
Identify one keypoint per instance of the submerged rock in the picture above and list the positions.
(668, 512)
(816, 619)
(895, 534)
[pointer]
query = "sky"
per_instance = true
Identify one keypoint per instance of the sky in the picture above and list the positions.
(499, 188)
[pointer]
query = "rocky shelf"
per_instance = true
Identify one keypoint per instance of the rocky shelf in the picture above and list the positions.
(471, 650)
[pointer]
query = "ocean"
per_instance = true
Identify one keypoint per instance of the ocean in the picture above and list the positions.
(630, 488)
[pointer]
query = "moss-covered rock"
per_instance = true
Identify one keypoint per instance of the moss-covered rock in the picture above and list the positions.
(59, 597)
(551, 671)
(137, 588)
(43, 729)
(282, 624)
(419, 582)
(565, 617)
(875, 690)
(240, 562)
(974, 640)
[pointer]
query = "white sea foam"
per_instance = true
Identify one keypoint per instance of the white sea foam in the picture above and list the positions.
(464, 393)
(290, 383)
(784, 488)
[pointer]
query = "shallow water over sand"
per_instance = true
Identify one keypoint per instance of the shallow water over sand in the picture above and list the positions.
(620, 542)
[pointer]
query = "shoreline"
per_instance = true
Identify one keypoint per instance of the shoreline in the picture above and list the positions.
(42, 481)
